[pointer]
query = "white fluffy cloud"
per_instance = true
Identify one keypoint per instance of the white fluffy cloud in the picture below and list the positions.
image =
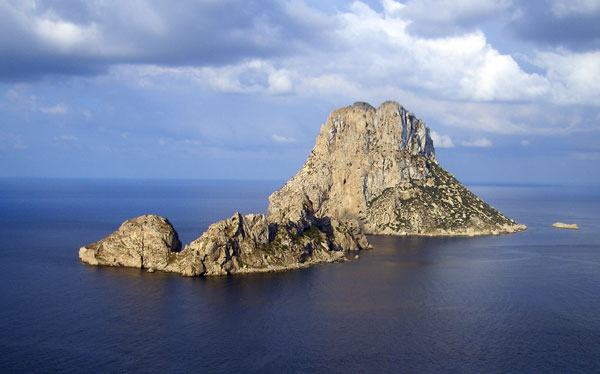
(56, 109)
(282, 139)
(574, 77)
(441, 141)
(255, 76)
(479, 143)
(465, 66)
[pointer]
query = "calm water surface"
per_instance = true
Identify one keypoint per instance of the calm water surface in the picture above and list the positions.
(522, 303)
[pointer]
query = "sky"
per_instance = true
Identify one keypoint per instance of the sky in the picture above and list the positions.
(238, 89)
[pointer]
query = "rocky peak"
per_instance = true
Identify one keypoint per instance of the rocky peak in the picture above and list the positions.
(389, 127)
(359, 152)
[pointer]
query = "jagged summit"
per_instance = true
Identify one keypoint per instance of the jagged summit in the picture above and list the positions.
(378, 166)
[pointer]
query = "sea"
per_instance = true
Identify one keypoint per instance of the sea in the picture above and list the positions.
(521, 303)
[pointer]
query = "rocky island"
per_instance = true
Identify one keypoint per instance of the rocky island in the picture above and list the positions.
(561, 225)
(378, 167)
(372, 171)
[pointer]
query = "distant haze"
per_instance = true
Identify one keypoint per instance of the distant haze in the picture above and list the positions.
(239, 89)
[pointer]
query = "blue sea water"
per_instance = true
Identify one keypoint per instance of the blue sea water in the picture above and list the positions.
(522, 303)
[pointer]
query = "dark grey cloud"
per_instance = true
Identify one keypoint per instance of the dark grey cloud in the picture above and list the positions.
(434, 18)
(177, 33)
(539, 23)
(544, 24)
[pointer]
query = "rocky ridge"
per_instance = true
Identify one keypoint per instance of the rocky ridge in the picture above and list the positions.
(371, 171)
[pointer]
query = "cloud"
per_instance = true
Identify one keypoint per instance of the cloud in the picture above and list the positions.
(479, 143)
(292, 50)
(247, 77)
(441, 141)
(586, 155)
(570, 24)
(329, 85)
(84, 38)
(564, 8)
(56, 109)
(20, 96)
(280, 48)
(8, 142)
(574, 77)
(282, 139)
(376, 49)
(66, 138)
(439, 18)
(524, 142)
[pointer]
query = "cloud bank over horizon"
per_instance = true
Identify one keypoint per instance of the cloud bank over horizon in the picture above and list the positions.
(219, 82)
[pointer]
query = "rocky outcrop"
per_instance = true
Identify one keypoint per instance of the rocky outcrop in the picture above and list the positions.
(378, 167)
(561, 225)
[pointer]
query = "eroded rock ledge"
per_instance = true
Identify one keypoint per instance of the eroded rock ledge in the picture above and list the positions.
(371, 171)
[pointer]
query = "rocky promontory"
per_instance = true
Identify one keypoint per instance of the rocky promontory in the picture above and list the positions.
(372, 171)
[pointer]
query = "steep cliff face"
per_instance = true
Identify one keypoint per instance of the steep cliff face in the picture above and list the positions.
(378, 166)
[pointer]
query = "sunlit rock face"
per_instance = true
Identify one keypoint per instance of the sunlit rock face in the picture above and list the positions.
(378, 166)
